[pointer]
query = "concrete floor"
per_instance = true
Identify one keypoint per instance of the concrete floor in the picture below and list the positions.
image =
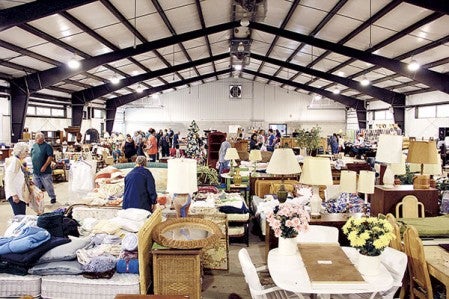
(218, 284)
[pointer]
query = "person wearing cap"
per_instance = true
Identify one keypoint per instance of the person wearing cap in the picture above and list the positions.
(140, 188)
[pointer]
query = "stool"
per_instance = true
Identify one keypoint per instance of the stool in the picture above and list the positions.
(239, 189)
(238, 227)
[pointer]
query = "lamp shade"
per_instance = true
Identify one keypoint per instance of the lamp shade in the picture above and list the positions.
(255, 155)
(182, 176)
(232, 154)
(433, 169)
(348, 181)
(389, 149)
(316, 171)
(399, 168)
(366, 181)
(422, 152)
(283, 161)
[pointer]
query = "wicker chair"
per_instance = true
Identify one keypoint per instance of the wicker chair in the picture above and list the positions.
(420, 285)
(257, 290)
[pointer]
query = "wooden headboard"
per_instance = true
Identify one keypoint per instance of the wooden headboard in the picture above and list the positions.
(145, 243)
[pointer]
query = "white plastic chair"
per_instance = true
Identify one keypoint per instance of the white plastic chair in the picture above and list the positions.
(257, 290)
(318, 234)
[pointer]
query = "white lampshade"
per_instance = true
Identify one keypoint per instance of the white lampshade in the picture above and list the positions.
(182, 176)
(389, 149)
(366, 181)
(433, 169)
(283, 161)
(232, 154)
(255, 155)
(348, 181)
(316, 171)
(399, 168)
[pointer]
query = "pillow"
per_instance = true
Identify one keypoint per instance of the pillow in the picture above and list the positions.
(133, 214)
(64, 252)
(274, 188)
(57, 268)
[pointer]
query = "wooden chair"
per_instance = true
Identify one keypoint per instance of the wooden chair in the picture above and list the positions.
(397, 242)
(257, 290)
(410, 208)
(420, 285)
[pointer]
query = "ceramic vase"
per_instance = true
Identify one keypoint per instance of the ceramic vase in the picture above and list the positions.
(368, 265)
(287, 246)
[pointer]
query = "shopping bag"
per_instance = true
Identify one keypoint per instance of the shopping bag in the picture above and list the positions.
(36, 199)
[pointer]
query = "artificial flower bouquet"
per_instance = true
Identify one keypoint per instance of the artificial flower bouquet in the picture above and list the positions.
(288, 219)
(369, 235)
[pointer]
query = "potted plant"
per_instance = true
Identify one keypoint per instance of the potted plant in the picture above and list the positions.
(206, 175)
(309, 139)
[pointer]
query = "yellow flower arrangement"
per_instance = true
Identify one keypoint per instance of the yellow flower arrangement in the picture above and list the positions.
(369, 235)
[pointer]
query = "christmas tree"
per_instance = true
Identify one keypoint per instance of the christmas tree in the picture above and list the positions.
(193, 142)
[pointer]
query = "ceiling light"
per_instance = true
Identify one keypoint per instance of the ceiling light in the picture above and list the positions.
(238, 67)
(139, 88)
(241, 47)
(115, 79)
(341, 74)
(336, 90)
(74, 63)
(413, 65)
(365, 81)
(244, 22)
(317, 97)
(155, 96)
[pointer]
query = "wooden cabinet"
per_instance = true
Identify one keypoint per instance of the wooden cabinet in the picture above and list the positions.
(5, 153)
(177, 272)
(241, 145)
(384, 200)
(214, 140)
(51, 136)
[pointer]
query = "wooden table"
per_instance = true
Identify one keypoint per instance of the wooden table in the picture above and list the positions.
(384, 200)
(437, 260)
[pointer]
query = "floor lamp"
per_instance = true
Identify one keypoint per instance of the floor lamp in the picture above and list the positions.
(348, 182)
(422, 152)
(389, 150)
(283, 162)
(182, 183)
(316, 171)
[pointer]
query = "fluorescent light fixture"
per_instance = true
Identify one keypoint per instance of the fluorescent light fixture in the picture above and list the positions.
(413, 65)
(115, 79)
(73, 63)
(139, 88)
(365, 81)
(336, 90)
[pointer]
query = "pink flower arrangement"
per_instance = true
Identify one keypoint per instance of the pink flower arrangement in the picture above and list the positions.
(288, 220)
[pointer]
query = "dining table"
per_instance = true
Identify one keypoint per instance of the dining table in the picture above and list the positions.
(290, 273)
(437, 259)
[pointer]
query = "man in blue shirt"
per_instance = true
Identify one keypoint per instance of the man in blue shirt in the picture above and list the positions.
(42, 156)
(140, 189)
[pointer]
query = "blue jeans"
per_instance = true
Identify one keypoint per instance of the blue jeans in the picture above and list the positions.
(45, 180)
(17, 208)
(223, 166)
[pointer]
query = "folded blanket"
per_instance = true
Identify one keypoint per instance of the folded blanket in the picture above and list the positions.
(31, 237)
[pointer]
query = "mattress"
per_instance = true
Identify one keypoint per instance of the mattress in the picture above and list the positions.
(76, 286)
(16, 285)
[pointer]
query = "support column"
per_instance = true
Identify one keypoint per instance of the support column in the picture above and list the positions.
(399, 117)
(77, 114)
(361, 117)
(110, 118)
(19, 106)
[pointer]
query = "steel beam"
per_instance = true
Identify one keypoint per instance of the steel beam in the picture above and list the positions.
(435, 5)
(19, 105)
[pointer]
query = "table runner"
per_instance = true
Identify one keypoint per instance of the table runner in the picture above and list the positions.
(328, 263)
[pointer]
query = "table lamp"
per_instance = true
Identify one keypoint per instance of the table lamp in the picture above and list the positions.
(433, 169)
(255, 156)
(398, 169)
(366, 183)
(316, 171)
(389, 150)
(348, 182)
(283, 162)
(232, 155)
(182, 183)
(422, 152)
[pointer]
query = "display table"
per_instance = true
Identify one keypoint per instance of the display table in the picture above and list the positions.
(384, 200)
